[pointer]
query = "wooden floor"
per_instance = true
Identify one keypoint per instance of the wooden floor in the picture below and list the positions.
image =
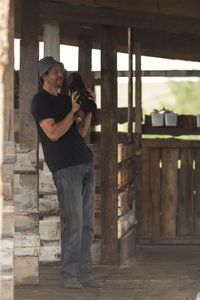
(155, 273)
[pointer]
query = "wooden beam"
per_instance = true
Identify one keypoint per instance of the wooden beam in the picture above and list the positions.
(166, 7)
(110, 252)
(119, 17)
(76, 20)
(156, 40)
(52, 39)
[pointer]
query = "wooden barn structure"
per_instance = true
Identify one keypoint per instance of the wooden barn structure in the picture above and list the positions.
(131, 208)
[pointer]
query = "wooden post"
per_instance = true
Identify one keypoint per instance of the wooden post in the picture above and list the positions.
(85, 58)
(51, 36)
(26, 170)
(130, 83)
(85, 64)
(110, 253)
(6, 143)
(138, 93)
(28, 78)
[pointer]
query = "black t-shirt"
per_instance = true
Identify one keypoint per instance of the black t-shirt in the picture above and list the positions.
(68, 150)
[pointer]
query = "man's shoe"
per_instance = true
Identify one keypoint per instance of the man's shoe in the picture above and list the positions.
(92, 283)
(71, 283)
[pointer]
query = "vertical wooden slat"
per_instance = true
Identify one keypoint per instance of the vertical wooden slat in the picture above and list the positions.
(185, 194)
(130, 83)
(154, 193)
(169, 192)
(197, 193)
(144, 208)
(109, 147)
(51, 37)
(28, 75)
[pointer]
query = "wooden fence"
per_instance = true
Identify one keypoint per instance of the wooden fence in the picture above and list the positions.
(170, 202)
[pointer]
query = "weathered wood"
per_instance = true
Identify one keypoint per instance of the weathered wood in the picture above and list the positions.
(122, 113)
(155, 186)
(152, 73)
(144, 205)
(26, 162)
(130, 83)
(8, 223)
(46, 184)
(26, 270)
(85, 58)
(51, 34)
(138, 90)
(169, 192)
(25, 200)
(196, 209)
(96, 251)
(48, 205)
(7, 148)
(26, 244)
(127, 246)
(26, 222)
(125, 174)
(50, 252)
(109, 147)
(85, 65)
(7, 287)
(126, 222)
(185, 194)
(164, 7)
(123, 200)
(28, 75)
(125, 151)
(139, 19)
(9, 151)
(170, 143)
(8, 80)
(6, 254)
(50, 228)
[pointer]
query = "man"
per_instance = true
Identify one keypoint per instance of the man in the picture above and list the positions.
(70, 161)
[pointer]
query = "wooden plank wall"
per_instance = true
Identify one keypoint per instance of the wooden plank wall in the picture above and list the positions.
(170, 191)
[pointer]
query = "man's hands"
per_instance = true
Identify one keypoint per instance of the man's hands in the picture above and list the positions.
(75, 105)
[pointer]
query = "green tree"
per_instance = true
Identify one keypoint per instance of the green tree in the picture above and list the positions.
(187, 95)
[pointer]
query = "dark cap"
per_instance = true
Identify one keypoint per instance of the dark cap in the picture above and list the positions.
(47, 63)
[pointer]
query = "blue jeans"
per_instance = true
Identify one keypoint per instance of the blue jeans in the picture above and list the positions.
(76, 195)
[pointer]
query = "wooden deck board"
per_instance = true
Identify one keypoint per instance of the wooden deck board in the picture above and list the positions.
(156, 273)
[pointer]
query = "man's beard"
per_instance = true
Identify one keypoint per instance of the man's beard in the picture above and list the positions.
(59, 83)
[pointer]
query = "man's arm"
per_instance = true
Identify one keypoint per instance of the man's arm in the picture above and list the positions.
(85, 124)
(55, 130)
